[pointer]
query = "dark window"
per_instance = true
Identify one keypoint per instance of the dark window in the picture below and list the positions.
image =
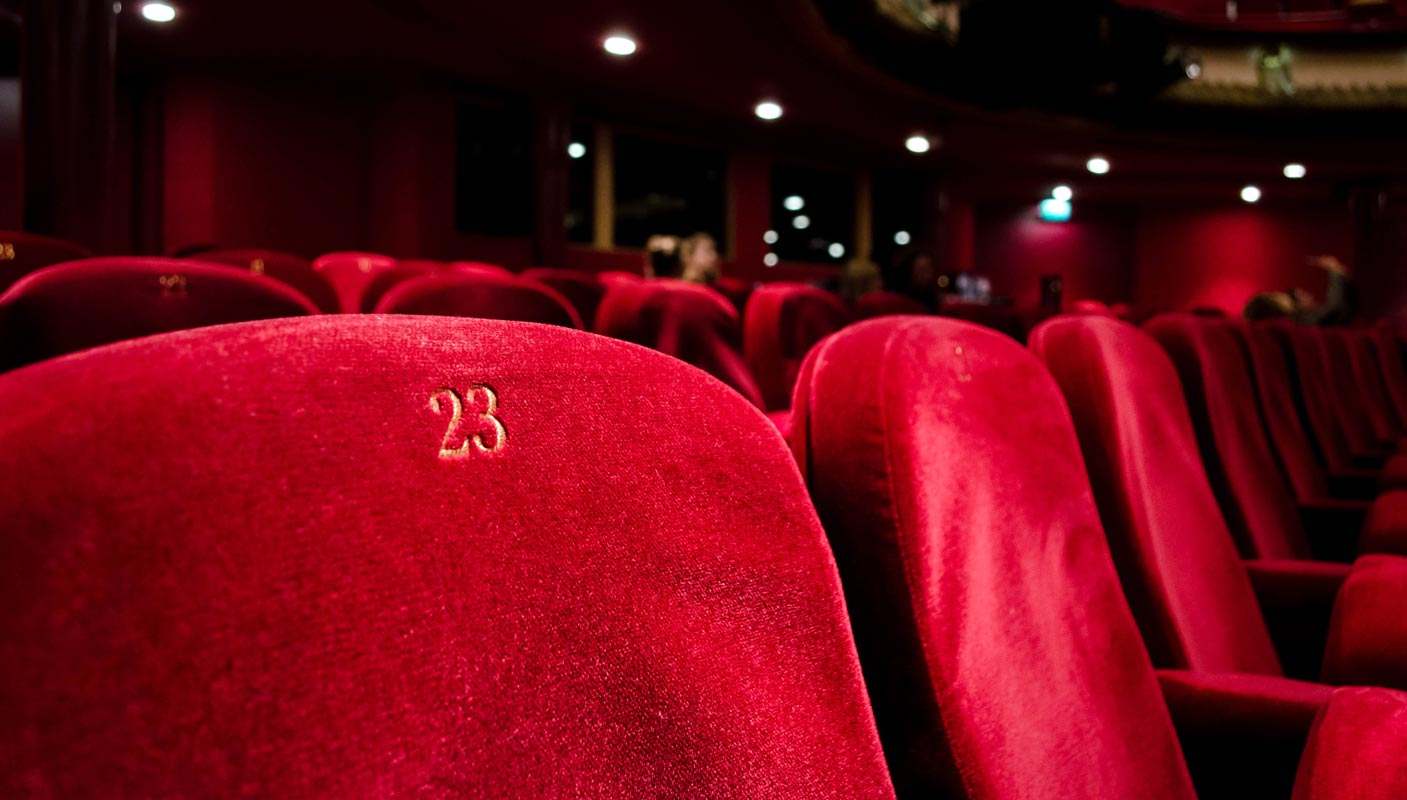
(813, 214)
(494, 170)
(667, 188)
(581, 184)
(898, 212)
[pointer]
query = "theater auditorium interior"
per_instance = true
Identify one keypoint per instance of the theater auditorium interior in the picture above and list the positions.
(740, 399)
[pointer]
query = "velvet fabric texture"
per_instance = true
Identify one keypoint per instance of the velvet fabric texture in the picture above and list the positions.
(1276, 392)
(23, 253)
(1000, 654)
(1355, 749)
(378, 556)
(782, 323)
(690, 322)
(349, 273)
(1179, 567)
(292, 270)
(1377, 427)
(737, 290)
(82, 304)
(1346, 442)
(482, 296)
(887, 304)
(582, 289)
(1390, 354)
(384, 281)
(1367, 642)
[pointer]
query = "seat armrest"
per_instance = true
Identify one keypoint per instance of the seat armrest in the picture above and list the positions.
(1353, 484)
(1334, 527)
(1367, 641)
(1242, 734)
(1297, 600)
(1386, 528)
(1355, 748)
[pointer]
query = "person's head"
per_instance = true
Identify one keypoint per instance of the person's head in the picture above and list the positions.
(914, 274)
(1270, 305)
(662, 257)
(698, 259)
(860, 277)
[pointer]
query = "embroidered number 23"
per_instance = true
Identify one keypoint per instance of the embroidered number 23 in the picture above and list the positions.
(473, 439)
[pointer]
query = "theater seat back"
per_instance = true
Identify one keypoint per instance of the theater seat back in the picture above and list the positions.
(350, 273)
(480, 295)
(384, 281)
(1369, 426)
(292, 270)
(1255, 501)
(1001, 656)
(1362, 352)
(1391, 364)
(23, 253)
(82, 304)
(782, 323)
(1175, 556)
(1275, 391)
(582, 289)
(380, 556)
(1314, 392)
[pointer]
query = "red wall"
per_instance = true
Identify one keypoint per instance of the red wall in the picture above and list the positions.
(1094, 253)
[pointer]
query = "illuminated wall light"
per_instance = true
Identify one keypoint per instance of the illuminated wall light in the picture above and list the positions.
(1099, 165)
(1062, 193)
(1193, 70)
(801, 222)
(902, 238)
(158, 12)
(770, 237)
(1053, 210)
(768, 110)
(619, 45)
(794, 203)
(576, 149)
(1250, 194)
(1295, 171)
(770, 259)
(836, 250)
(918, 143)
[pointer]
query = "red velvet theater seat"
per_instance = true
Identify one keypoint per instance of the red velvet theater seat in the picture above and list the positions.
(783, 321)
(1361, 391)
(690, 322)
(477, 268)
(381, 556)
(737, 290)
(292, 270)
(1001, 656)
(1389, 348)
(1093, 308)
(480, 295)
(23, 253)
(83, 304)
(386, 280)
(1345, 438)
(350, 273)
(582, 289)
(1199, 606)
(887, 304)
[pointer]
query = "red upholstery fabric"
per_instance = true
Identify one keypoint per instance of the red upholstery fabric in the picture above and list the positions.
(690, 322)
(1340, 441)
(613, 277)
(480, 295)
(582, 290)
(886, 304)
(83, 304)
(1370, 421)
(23, 253)
(1180, 569)
(737, 290)
(1355, 750)
(1393, 475)
(1390, 363)
(1367, 642)
(1254, 499)
(292, 270)
(1091, 308)
(386, 280)
(477, 268)
(999, 651)
(783, 321)
(1275, 389)
(1386, 528)
(271, 582)
(349, 273)
(1363, 350)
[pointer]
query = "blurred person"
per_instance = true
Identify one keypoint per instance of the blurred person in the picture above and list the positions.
(662, 256)
(1340, 304)
(698, 259)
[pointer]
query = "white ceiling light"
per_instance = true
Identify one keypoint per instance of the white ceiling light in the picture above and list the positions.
(770, 237)
(836, 250)
(619, 45)
(918, 143)
(794, 203)
(770, 259)
(1062, 193)
(576, 149)
(902, 238)
(1295, 171)
(1250, 194)
(801, 223)
(768, 110)
(158, 12)
(1099, 165)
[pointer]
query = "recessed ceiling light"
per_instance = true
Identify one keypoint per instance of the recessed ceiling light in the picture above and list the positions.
(918, 143)
(158, 12)
(1062, 193)
(1295, 171)
(1099, 165)
(836, 250)
(770, 259)
(794, 203)
(1250, 194)
(902, 238)
(618, 44)
(801, 222)
(576, 149)
(768, 110)
(1053, 210)
(770, 237)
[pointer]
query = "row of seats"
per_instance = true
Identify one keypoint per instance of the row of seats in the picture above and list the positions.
(580, 568)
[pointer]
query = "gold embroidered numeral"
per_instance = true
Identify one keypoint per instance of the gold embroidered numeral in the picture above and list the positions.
(474, 442)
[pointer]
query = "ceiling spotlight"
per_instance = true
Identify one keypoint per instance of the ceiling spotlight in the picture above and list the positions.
(1099, 165)
(794, 203)
(1295, 171)
(770, 237)
(619, 45)
(801, 222)
(1193, 70)
(576, 149)
(902, 238)
(836, 250)
(1053, 210)
(918, 143)
(770, 259)
(768, 110)
(1062, 193)
(158, 12)
(1250, 194)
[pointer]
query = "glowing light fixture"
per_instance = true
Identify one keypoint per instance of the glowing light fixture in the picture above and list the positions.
(1250, 194)
(836, 250)
(768, 110)
(801, 222)
(158, 12)
(576, 149)
(770, 237)
(1062, 193)
(1053, 210)
(794, 203)
(1099, 165)
(770, 259)
(918, 143)
(1295, 171)
(618, 44)
(902, 238)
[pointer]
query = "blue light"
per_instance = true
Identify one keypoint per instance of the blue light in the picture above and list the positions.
(1053, 210)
